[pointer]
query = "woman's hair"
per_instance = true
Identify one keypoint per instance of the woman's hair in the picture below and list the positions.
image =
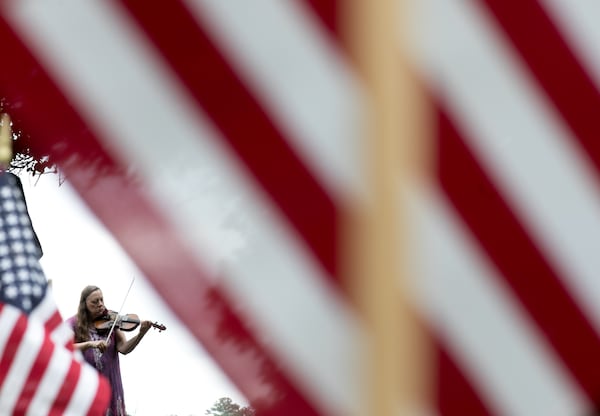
(81, 328)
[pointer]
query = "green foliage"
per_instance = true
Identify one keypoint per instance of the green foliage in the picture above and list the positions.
(226, 407)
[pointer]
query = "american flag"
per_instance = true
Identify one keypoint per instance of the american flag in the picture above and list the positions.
(39, 372)
(206, 117)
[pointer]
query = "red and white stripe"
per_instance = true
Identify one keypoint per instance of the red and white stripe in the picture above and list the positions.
(227, 110)
(516, 164)
(38, 375)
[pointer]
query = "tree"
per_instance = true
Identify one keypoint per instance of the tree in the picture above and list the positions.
(24, 157)
(36, 156)
(226, 407)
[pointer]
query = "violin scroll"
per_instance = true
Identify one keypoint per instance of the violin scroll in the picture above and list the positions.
(158, 326)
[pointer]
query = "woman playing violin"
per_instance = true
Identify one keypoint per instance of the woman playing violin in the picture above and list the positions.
(99, 351)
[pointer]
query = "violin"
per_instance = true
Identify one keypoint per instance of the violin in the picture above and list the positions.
(127, 322)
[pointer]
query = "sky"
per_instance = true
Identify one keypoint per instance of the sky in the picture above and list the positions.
(168, 373)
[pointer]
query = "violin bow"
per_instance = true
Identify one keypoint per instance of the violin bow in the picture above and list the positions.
(119, 312)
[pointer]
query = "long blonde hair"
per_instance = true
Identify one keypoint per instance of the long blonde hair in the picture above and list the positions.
(83, 320)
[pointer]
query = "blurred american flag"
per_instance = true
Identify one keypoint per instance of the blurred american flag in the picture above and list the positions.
(262, 98)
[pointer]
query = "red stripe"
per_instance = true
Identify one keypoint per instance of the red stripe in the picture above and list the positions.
(454, 395)
(518, 260)
(54, 322)
(102, 399)
(554, 65)
(23, 80)
(13, 343)
(328, 11)
(149, 241)
(67, 388)
(34, 378)
(246, 127)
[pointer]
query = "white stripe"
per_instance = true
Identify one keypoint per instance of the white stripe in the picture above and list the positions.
(292, 65)
(485, 329)
(45, 309)
(52, 381)
(85, 392)
(272, 277)
(522, 144)
(62, 334)
(578, 23)
(28, 349)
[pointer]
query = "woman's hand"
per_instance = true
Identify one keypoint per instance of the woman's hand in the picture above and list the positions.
(100, 344)
(145, 326)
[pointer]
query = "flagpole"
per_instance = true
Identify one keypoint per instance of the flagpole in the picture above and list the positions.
(6, 139)
(393, 146)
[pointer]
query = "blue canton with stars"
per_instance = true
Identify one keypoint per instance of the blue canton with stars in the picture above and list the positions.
(22, 281)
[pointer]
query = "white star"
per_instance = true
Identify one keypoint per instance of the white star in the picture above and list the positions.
(26, 289)
(5, 264)
(37, 290)
(30, 247)
(12, 219)
(38, 278)
(20, 261)
(17, 246)
(14, 233)
(9, 205)
(24, 219)
(11, 292)
(8, 278)
(5, 192)
(27, 234)
(33, 262)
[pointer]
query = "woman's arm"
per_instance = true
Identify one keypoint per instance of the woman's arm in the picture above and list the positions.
(82, 346)
(125, 346)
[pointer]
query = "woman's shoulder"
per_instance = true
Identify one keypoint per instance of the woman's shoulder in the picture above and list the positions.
(72, 321)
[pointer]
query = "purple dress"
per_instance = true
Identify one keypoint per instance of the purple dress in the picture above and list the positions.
(107, 364)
